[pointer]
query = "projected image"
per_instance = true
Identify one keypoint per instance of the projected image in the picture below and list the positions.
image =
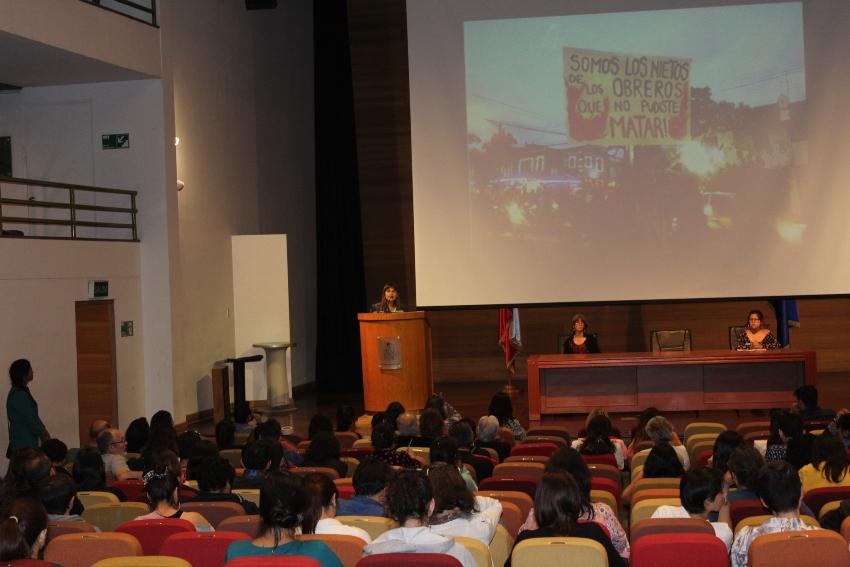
(673, 126)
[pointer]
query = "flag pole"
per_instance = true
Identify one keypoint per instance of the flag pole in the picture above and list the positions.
(510, 341)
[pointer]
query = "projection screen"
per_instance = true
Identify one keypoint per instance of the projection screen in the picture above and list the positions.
(614, 151)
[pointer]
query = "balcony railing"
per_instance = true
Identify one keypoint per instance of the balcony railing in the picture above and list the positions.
(141, 10)
(45, 209)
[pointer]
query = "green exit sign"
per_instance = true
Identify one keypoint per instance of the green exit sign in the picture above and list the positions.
(115, 141)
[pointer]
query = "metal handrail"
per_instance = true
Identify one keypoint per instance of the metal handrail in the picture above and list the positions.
(71, 205)
(151, 11)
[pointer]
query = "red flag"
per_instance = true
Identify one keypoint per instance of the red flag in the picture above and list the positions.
(509, 336)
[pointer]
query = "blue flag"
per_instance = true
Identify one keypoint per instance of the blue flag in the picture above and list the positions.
(786, 317)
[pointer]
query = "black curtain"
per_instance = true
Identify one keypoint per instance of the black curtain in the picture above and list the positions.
(340, 281)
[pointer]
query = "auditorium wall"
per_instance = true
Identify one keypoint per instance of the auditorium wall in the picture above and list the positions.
(465, 340)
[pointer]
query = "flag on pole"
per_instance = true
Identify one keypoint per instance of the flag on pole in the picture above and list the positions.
(510, 338)
(786, 317)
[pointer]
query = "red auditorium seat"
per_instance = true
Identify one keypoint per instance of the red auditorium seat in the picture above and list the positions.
(151, 533)
(201, 549)
(516, 483)
(607, 459)
(740, 509)
(273, 561)
(409, 560)
(817, 497)
(132, 488)
(676, 549)
(545, 449)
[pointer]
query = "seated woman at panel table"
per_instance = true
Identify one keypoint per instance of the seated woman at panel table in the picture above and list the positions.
(579, 340)
(756, 337)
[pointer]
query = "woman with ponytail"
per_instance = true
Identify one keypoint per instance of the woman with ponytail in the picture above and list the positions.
(320, 516)
(23, 530)
(161, 486)
(283, 502)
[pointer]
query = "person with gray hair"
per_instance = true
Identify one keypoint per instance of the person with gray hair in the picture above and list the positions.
(660, 431)
(488, 436)
(408, 432)
(113, 449)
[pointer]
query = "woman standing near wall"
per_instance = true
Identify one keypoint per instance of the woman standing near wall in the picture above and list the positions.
(25, 427)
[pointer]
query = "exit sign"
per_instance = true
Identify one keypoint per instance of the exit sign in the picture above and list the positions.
(115, 141)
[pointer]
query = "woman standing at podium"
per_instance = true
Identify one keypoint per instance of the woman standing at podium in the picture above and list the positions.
(390, 301)
(579, 340)
(754, 336)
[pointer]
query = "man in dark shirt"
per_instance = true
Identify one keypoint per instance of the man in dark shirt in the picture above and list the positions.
(370, 481)
(256, 458)
(806, 405)
(215, 478)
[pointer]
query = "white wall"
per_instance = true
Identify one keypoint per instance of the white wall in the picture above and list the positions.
(39, 282)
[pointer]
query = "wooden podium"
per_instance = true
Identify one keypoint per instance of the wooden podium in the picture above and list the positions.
(390, 340)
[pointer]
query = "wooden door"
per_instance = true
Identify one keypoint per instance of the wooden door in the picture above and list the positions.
(96, 364)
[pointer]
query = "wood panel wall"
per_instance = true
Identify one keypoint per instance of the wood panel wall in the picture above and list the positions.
(465, 340)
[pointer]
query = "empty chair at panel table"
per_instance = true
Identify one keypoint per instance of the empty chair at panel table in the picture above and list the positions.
(817, 497)
(655, 526)
(521, 499)
(670, 341)
(406, 559)
(525, 484)
(480, 552)
(562, 551)
(91, 497)
(144, 561)
(214, 512)
(373, 525)
(349, 549)
(151, 533)
(201, 549)
(107, 517)
(249, 525)
(533, 470)
(676, 549)
(811, 548)
(545, 449)
(85, 549)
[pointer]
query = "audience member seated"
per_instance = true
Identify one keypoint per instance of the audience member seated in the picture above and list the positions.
(287, 456)
(779, 487)
(161, 487)
(163, 437)
(840, 427)
(381, 417)
(186, 442)
(225, 435)
(57, 451)
(410, 502)
(462, 434)
(599, 441)
(201, 451)
(638, 434)
(90, 474)
(324, 451)
(702, 491)
(244, 418)
(444, 450)
(829, 466)
(114, 453)
(488, 436)
(744, 465)
(393, 411)
(806, 404)
(408, 432)
(660, 431)
(457, 511)
(283, 501)
(162, 418)
(137, 434)
(97, 427)
(319, 424)
(170, 460)
(569, 460)
(449, 414)
(370, 482)
(215, 478)
(431, 425)
(57, 494)
(724, 444)
(23, 530)
(345, 419)
(557, 507)
(320, 516)
(503, 409)
(662, 462)
(784, 426)
(383, 441)
(256, 458)
(28, 468)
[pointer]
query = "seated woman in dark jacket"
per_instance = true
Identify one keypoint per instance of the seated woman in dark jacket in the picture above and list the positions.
(324, 451)
(580, 341)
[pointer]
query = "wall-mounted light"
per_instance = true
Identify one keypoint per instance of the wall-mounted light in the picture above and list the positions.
(180, 185)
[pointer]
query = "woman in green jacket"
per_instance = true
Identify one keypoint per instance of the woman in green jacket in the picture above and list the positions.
(25, 427)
